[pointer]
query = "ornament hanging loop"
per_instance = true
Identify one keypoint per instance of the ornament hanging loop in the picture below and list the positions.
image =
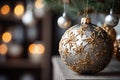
(85, 20)
(86, 10)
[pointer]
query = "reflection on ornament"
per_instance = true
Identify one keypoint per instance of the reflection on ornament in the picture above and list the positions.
(19, 10)
(3, 49)
(64, 21)
(111, 20)
(39, 8)
(5, 9)
(111, 32)
(15, 50)
(36, 51)
(86, 48)
(6, 37)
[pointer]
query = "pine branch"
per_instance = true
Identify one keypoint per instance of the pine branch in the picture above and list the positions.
(76, 6)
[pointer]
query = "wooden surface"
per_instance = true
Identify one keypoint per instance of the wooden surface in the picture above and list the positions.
(61, 71)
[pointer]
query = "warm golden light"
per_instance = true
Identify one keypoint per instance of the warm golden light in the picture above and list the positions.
(19, 10)
(36, 49)
(3, 49)
(31, 48)
(39, 4)
(40, 48)
(5, 9)
(6, 37)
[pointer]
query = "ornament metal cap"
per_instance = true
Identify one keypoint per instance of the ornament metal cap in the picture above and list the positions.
(111, 11)
(85, 20)
(64, 14)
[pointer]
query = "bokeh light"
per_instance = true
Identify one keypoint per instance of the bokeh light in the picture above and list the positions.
(15, 50)
(6, 37)
(19, 10)
(5, 9)
(27, 76)
(36, 48)
(39, 4)
(3, 49)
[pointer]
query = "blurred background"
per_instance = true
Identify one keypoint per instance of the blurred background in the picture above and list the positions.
(29, 37)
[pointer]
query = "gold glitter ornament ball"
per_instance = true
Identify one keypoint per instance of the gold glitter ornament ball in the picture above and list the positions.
(111, 32)
(117, 49)
(86, 48)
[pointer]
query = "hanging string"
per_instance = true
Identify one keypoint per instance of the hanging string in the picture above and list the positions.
(86, 9)
(65, 4)
(113, 4)
(111, 11)
(76, 6)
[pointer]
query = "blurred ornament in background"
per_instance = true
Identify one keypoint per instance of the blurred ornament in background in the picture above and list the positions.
(6, 37)
(64, 21)
(117, 49)
(5, 9)
(18, 33)
(111, 20)
(28, 18)
(3, 51)
(32, 33)
(27, 76)
(37, 48)
(15, 50)
(3, 77)
(39, 8)
(117, 28)
(111, 32)
(36, 51)
(19, 10)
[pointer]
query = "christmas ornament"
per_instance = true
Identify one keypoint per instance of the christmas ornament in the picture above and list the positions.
(117, 49)
(111, 32)
(27, 76)
(36, 51)
(28, 18)
(18, 33)
(39, 8)
(86, 48)
(15, 50)
(32, 33)
(111, 20)
(63, 21)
